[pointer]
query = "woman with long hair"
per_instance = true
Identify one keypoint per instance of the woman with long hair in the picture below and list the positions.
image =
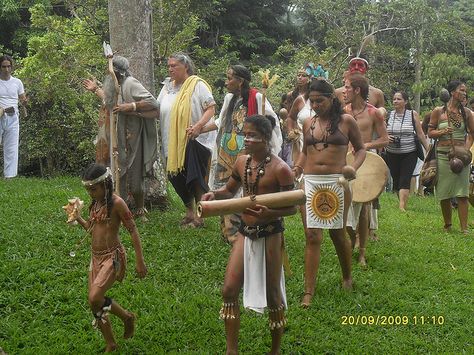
(450, 125)
(323, 162)
(241, 101)
(300, 108)
(401, 157)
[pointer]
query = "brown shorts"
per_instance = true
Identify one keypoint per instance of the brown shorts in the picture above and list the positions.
(107, 265)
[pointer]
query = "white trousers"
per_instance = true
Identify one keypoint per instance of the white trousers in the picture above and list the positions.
(9, 138)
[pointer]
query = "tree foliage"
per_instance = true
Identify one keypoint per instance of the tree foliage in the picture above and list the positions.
(60, 43)
(59, 130)
(385, 32)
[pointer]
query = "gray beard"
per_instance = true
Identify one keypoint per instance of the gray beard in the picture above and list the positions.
(110, 96)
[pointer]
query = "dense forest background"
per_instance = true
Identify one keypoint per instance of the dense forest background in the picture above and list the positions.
(414, 45)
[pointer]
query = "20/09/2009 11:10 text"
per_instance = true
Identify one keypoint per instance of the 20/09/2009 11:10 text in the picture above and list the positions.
(384, 320)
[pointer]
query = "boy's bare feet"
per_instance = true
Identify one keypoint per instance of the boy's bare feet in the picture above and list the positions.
(196, 223)
(186, 220)
(356, 242)
(110, 348)
(129, 326)
(306, 301)
(373, 236)
(361, 260)
(347, 285)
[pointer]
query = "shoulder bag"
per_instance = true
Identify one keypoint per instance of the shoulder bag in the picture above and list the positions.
(429, 171)
(459, 156)
(419, 147)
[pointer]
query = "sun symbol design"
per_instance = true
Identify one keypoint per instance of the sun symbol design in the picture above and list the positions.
(325, 205)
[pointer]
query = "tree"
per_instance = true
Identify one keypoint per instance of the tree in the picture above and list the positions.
(59, 131)
(130, 24)
(256, 28)
(397, 37)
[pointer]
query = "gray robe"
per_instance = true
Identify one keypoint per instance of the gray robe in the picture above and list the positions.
(137, 136)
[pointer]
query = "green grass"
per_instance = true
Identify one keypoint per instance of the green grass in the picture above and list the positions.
(415, 270)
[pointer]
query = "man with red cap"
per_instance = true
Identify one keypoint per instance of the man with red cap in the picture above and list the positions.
(376, 96)
(377, 99)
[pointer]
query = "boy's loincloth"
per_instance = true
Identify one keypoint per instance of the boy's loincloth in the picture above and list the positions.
(262, 231)
(107, 265)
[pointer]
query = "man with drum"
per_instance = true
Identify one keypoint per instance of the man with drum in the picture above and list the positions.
(376, 97)
(371, 124)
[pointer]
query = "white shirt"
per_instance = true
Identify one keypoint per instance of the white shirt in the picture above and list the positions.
(10, 91)
(201, 99)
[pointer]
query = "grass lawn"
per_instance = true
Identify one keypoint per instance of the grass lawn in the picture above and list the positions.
(416, 274)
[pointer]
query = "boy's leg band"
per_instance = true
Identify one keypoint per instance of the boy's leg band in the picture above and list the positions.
(276, 317)
(229, 310)
(101, 316)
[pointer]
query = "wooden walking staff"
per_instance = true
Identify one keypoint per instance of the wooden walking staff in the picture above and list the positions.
(238, 205)
(266, 83)
(114, 164)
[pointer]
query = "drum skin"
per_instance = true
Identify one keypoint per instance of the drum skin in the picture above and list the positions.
(371, 178)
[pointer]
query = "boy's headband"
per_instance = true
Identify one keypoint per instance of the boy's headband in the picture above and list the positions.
(99, 179)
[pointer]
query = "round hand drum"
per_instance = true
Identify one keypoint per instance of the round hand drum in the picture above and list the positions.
(371, 178)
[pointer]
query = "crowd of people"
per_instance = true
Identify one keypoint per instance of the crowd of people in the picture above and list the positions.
(318, 140)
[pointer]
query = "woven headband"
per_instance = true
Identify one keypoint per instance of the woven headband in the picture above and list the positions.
(98, 179)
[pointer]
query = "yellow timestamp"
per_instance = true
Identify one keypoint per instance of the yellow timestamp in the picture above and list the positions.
(390, 320)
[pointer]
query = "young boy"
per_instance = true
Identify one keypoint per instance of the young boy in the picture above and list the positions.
(108, 261)
(256, 257)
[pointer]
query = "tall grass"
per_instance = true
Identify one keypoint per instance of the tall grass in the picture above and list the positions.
(415, 270)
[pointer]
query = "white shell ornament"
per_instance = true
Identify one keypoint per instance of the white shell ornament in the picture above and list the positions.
(73, 209)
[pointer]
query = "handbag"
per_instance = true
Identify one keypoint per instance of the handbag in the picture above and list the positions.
(471, 186)
(459, 156)
(429, 171)
(419, 147)
(461, 153)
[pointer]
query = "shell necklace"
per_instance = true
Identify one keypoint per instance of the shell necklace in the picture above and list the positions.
(252, 188)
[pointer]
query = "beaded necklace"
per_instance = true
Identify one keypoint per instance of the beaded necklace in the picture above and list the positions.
(324, 138)
(98, 214)
(455, 118)
(252, 188)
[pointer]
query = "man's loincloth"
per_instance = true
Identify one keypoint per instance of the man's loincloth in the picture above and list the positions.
(354, 214)
(324, 201)
(262, 231)
(255, 276)
(107, 265)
